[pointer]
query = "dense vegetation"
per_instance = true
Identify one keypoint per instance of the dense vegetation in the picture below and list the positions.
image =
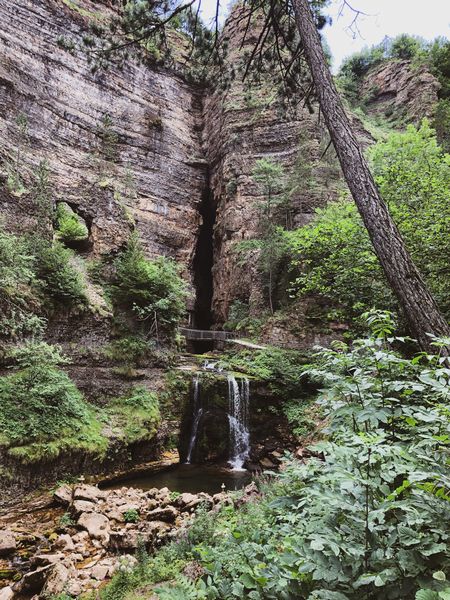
(152, 291)
(42, 413)
(333, 255)
(34, 275)
(367, 516)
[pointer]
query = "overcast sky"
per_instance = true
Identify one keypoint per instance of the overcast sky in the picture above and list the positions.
(427, 18)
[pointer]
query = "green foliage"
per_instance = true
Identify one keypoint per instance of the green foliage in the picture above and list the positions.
(57, 276)
(413, 175)
(132, 350)
(359, 63)
(278, 367)
(368, 516)
(135, 417)
(66, 520)
(439, 60)
(70, 228)
(333, 256)
(19, 299)
(271, 244)
(41, 410)
(441, 123)
(131, 516)
(406, 47)
(153, 289)
(335, 260)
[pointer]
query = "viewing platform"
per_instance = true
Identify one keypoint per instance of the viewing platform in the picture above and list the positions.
(208, 335)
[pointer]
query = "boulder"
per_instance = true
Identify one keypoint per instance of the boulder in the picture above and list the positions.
(6, 593)
(100, 572)
(56, 581)
(80, 506)
(7, 542)
(63, 495)
(34, 581)
(88, 492)
(41, 560)
(185, 499)
(96, 525)
(168, 513)
(64, 542)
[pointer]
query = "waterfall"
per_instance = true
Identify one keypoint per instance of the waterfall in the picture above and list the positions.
(238, 400)
(197, 415)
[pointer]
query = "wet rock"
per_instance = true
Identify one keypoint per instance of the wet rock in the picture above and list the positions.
(63, 495)
(6, 593)
(168, 513)
(7, 542)
(267, 463)
(96, 525)
(56, 581)
(88, 492)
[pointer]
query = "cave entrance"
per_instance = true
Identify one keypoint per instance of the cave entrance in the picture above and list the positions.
(203, 277)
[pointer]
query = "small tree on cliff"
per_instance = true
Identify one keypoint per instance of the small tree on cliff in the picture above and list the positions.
(268, 175)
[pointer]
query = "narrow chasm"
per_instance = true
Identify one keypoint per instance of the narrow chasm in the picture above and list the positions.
(202, 265)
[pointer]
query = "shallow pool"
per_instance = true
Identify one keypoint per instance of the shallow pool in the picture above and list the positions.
(189, 478)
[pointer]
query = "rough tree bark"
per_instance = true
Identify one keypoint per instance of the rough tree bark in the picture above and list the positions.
(418, 304)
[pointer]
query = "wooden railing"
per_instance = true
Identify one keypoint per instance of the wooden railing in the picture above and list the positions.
(208, 335)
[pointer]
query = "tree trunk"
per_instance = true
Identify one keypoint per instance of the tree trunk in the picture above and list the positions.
(418, 304)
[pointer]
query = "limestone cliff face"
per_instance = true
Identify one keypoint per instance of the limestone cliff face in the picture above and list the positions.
(400, 91)
(138, 146)
(122, 144)
(243, 124)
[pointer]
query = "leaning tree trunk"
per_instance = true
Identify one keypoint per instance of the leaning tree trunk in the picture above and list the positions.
(418, 304)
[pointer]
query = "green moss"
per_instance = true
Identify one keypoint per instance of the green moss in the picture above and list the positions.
(70, 227)
(42, 413)
(96, 15)
(135, 417)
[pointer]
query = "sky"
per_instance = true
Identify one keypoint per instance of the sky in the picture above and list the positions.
(426, 18)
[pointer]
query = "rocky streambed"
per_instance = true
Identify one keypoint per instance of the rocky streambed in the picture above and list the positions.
(76, 543)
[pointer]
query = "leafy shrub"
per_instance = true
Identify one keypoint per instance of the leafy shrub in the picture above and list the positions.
(406, 47)
(441, 123)
(130, 349)
(439, 59)
(153, 289)
(19, 299)
(131, 516)
(41, 410)
(70, 228)
(333, 255)
(335, 260)
(66, 520)
(58, 277)
(359, 63)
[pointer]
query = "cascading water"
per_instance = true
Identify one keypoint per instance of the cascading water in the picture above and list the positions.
(238, 400)
(197, 415)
